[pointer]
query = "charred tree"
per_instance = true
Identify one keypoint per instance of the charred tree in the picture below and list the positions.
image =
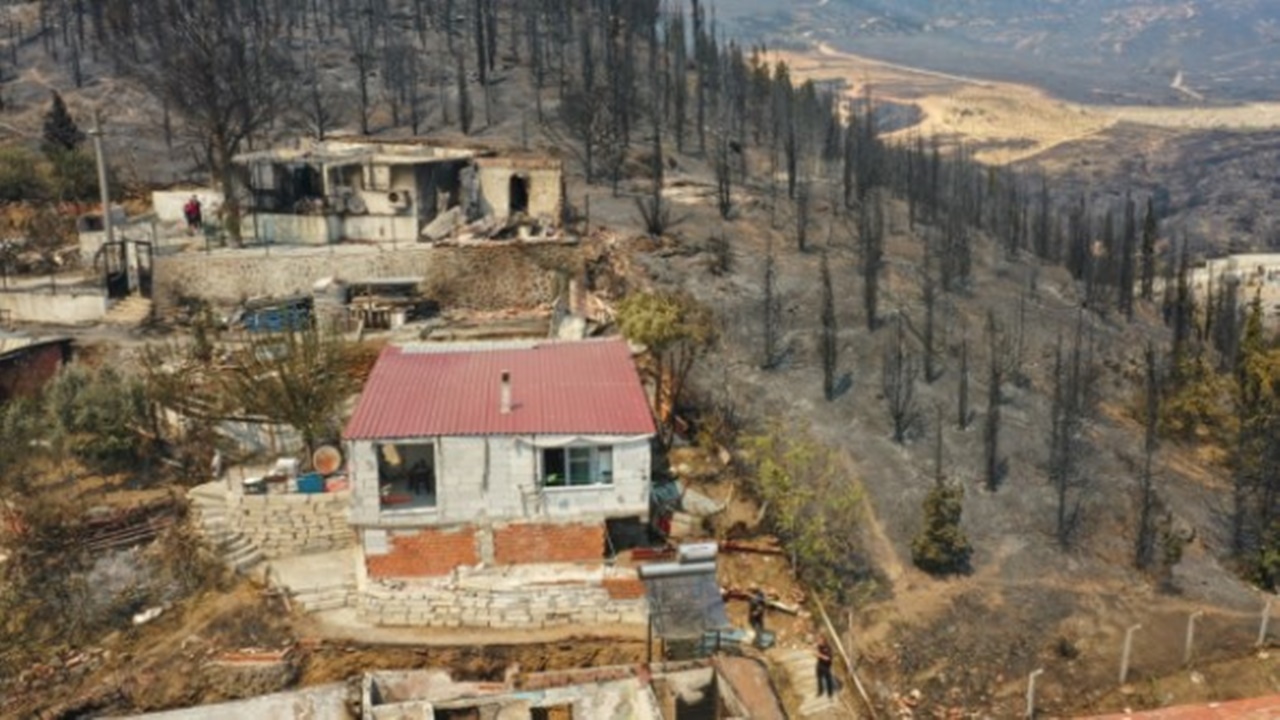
(899, 371)
(830, 333)
(1150, 232)
(993, 464)
(963, 414)
(1145, 540)
(771, 314)
(871, 242)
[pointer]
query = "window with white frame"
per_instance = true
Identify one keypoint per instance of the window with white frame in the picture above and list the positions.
(577, 466)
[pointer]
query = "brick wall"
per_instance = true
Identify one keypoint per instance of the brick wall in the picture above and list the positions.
(624, 588)
(424, 553)
(26, 371)
(548, 543)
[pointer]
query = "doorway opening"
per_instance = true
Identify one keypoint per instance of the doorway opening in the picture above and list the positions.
(518, 194)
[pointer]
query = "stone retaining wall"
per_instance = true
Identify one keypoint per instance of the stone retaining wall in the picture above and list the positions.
(292, 524)
(488, 277)
(473, 600)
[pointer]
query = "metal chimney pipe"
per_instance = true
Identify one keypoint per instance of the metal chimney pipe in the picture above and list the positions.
(505, 406)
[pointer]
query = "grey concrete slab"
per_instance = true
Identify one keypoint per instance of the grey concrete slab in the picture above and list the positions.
(323, 702)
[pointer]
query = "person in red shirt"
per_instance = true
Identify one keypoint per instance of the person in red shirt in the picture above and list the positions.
(192, 212)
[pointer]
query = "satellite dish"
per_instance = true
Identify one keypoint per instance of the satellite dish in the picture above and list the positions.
(326, 459)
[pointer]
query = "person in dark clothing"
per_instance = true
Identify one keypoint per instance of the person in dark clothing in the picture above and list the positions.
(826, 681)
(193, 213)
(755, 611)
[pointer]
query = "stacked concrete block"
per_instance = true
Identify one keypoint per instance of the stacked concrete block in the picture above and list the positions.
(293, 524)
(210, 510)
(450, 602)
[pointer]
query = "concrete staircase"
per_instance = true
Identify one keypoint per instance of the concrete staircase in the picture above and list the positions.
(327, 597)
(131, 312)
(317, 581)
(801, 669)
(209, 508)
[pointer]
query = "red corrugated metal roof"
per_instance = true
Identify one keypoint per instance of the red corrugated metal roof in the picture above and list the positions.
(556, 388)
(1263, 708)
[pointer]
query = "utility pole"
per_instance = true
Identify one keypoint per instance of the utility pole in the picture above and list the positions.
(103, 191)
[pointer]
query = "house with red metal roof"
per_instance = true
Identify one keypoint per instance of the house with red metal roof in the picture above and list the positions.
(475, 456)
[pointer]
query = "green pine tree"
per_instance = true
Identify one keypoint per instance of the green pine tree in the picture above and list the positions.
(60, 131)
(942, 548)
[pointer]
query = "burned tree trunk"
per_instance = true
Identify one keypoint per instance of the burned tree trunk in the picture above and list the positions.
(993, 470)
(830, 341)
(899, 371)
(1144, 545)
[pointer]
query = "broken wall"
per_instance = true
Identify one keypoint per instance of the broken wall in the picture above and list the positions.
(542, 181)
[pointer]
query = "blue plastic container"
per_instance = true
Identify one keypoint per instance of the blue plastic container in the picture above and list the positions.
(311, 483)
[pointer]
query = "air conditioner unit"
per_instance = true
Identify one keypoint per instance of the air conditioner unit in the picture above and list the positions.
(400, 199)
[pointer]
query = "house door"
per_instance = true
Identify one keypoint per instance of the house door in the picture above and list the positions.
(113, 261)
(518, 195)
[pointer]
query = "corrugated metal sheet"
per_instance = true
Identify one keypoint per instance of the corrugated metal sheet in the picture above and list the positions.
(557, 388)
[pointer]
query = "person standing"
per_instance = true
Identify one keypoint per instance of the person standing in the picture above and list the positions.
(826, 681)
(755, 611)
(193, 213)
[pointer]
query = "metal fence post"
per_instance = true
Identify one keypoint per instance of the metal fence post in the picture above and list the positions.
(1266, 618)
(1031, 692)
(1191, 634)
(1128, 645)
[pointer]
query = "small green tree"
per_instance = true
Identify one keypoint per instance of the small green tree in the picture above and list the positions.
(676, 330)
(810, 505)
(74, 176)
(94, 416)
(60, 131)
(20, 176)
(942, 548)
(299, 378)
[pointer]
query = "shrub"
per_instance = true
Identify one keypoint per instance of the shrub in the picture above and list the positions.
(812, 506)
(94, 415)
(942, 548)
(74, 176)
(20, 177)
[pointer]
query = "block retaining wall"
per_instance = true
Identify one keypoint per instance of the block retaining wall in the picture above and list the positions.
(292, 524)
(485, 278)
(453, 602)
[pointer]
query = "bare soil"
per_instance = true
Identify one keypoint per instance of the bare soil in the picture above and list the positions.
(163, 664)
